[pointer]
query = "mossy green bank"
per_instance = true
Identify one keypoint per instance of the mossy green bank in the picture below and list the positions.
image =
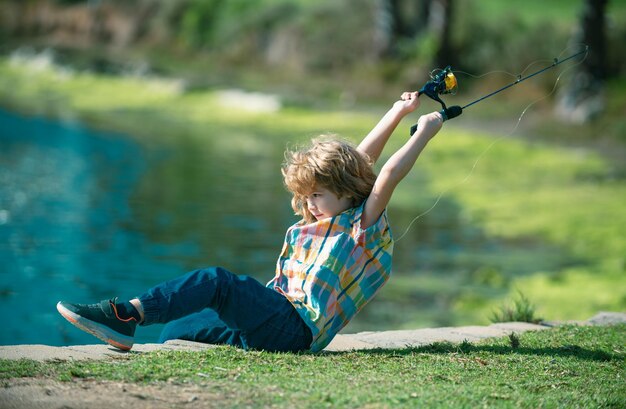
(563, 367)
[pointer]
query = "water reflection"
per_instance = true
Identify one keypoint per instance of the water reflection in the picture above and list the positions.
(64, 192)
(86, 215)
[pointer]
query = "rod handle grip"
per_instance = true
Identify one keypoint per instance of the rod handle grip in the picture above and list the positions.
(451, 112)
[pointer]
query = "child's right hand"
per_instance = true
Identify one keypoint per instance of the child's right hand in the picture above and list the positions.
(430, 124)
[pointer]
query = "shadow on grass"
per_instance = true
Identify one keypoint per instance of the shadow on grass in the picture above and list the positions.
(565, 351)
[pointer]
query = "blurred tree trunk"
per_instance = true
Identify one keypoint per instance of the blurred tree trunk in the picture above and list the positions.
(583, 97)
(399, 20)
(593, 34)
(409, 19)
(441, 24)
(417, 21)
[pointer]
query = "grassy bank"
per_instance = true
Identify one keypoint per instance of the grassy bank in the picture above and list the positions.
(564, 367)
(551, 218)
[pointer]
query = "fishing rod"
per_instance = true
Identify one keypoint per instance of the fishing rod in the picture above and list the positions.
(445, 82)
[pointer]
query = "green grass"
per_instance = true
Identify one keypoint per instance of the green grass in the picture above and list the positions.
(520, 310)
(551, 368)
(568, 198)
(554, 10)
(534, 12)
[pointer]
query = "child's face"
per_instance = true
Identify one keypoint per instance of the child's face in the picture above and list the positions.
(322, 203)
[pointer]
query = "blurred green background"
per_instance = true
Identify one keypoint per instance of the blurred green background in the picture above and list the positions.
(142, 139)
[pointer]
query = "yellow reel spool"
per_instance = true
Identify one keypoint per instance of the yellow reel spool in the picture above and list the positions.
(451, 84)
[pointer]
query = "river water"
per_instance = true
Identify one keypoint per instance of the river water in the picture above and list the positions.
(87, 215)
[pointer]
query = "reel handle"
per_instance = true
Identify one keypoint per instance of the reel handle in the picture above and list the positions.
(446, 113)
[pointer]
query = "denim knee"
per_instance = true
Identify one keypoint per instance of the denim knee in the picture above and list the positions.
(170, 331)
(184, 295)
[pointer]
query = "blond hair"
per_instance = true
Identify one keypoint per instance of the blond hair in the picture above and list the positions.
(330, 163)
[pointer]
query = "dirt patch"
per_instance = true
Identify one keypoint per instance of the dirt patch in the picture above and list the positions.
(37, 393)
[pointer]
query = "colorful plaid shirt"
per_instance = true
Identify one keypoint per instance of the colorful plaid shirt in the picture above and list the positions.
(331, 268)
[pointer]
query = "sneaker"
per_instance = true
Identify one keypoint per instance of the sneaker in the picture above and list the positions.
(102, 321)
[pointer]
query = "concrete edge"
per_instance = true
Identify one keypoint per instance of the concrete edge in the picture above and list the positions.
(397, 339)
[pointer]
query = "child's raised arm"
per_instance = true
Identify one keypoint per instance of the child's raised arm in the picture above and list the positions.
(398, 166)
(375, 141)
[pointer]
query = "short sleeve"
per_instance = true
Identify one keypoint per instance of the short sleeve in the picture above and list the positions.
(376, 235)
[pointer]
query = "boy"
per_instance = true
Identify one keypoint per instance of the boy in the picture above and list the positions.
(332, 263)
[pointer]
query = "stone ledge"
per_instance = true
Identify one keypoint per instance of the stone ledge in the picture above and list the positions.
(426, 336)
(342, 342)
(96, 352)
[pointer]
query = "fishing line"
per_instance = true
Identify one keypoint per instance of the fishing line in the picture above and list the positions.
(503, 71)
(519, 120)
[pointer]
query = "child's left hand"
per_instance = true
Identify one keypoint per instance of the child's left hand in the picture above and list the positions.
(409, 102)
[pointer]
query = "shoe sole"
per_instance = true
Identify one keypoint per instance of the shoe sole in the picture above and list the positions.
(102, 332)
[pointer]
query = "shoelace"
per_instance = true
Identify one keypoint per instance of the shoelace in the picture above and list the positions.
(114, 308)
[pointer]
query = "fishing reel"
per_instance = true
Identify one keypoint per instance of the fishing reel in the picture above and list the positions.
(444, 82)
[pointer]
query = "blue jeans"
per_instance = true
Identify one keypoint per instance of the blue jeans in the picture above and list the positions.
(215, 306)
